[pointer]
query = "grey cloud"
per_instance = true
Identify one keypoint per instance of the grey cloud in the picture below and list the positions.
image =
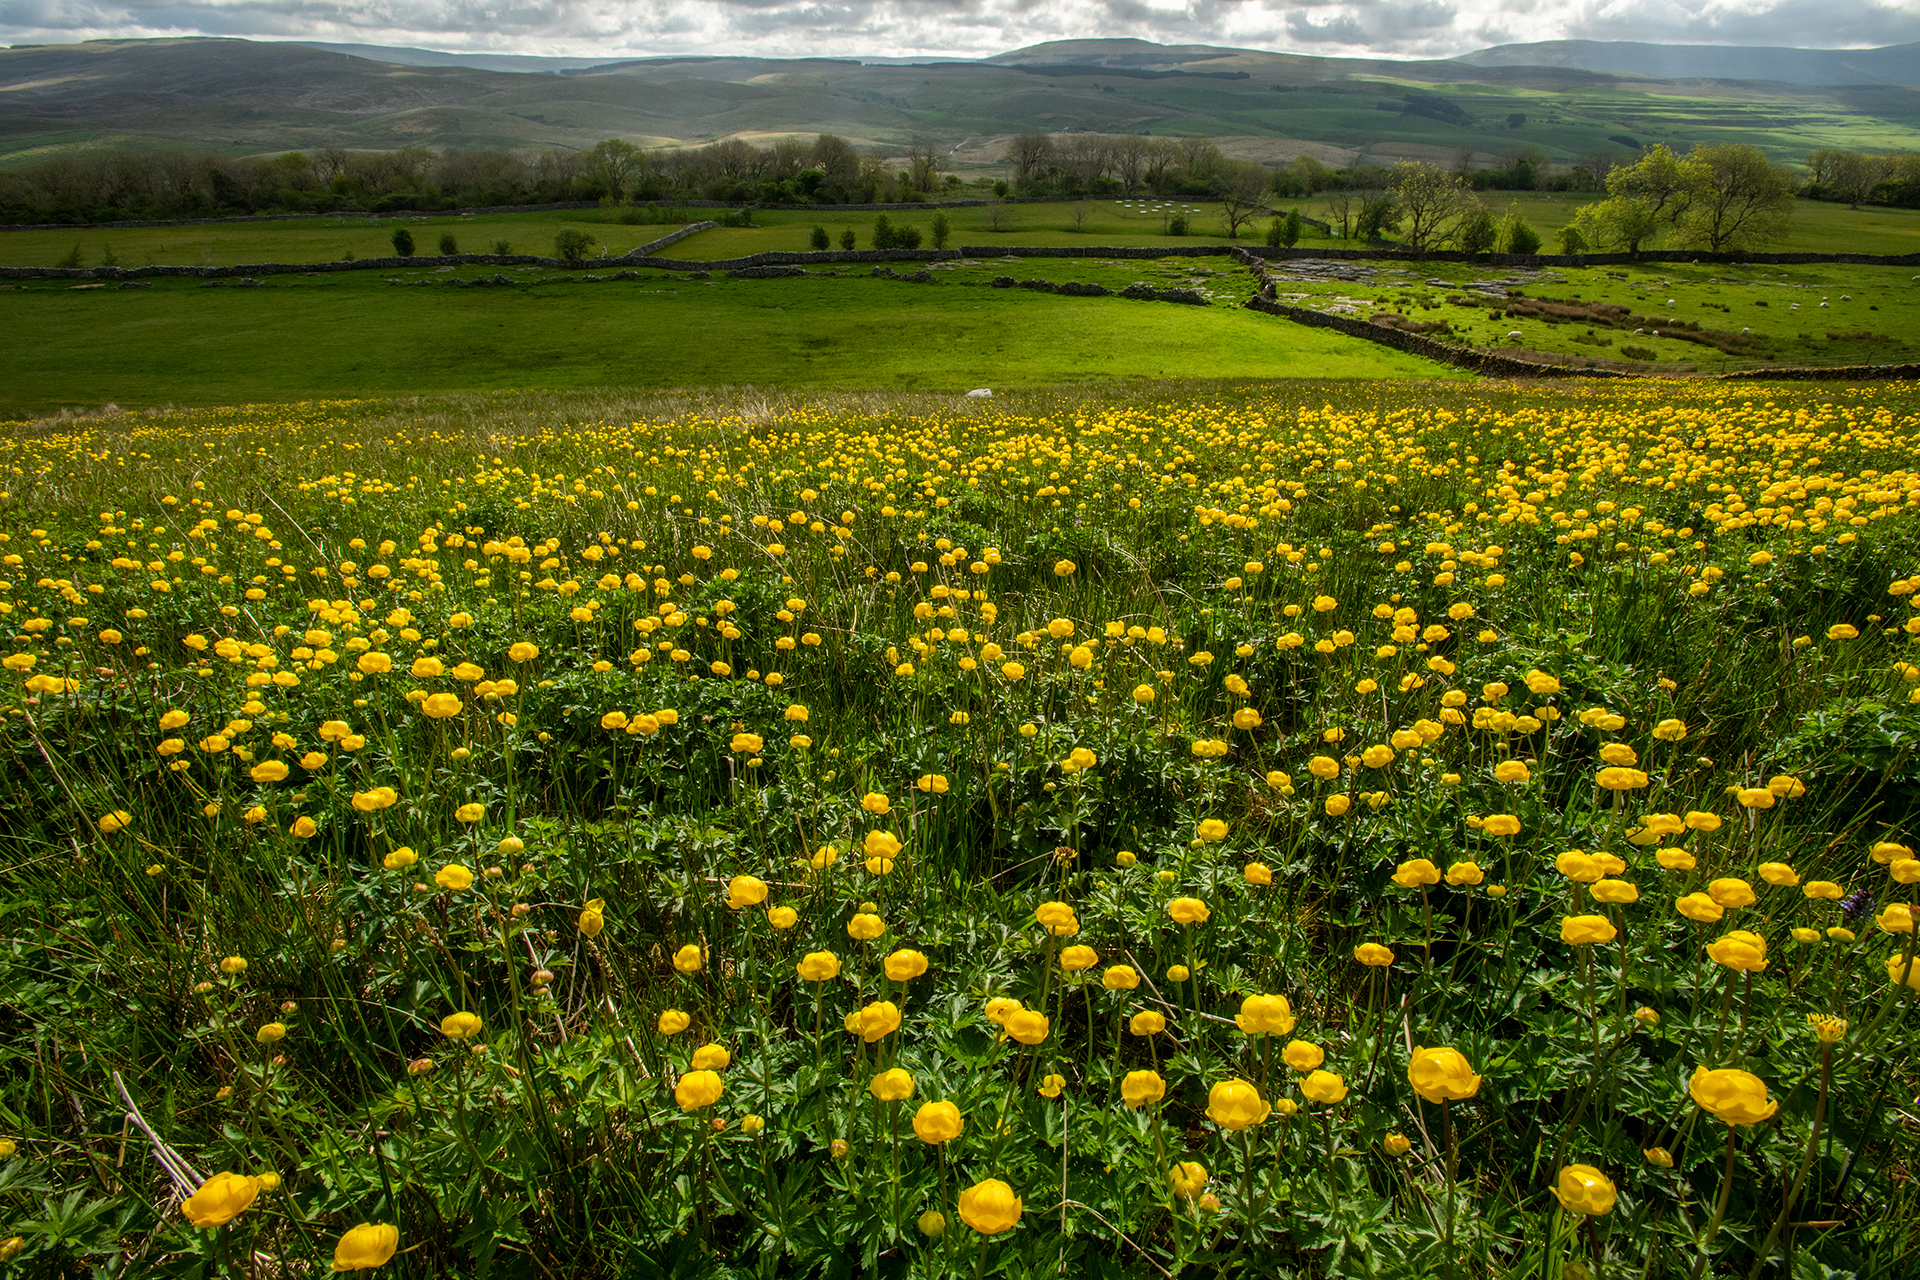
(969, 27)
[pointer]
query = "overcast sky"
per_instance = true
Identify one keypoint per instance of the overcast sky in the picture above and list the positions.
(968, 27)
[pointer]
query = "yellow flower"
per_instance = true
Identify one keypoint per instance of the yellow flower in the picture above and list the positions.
(460, 1026)
(672, 1022)
(1416, 873)
(1676, 859)
(1027, 1026)
(1539, 682)
(453, 876)
(1187, 1178)
(1501, 824)
(937, 1122)
(865, 926)
(1698, 906)
(375, 800)
(698, 1089)
(752, 1124)
(1325, 768)
(115, 821)
(440, 706)
(220, 1199)
(1302, 1056)
(1076, 958)
(1257, 873)
(1830, 1030)
(1736, 1097)
(1583, 1189)
(990, 1207)
(1779, 873)
(880, 846)
(905, 965)
(365, 1247)
(593, 917)
(265, 771)
(1614, 891)
(1441, 1075)
(818, 966)
(1148, 1023)
(1615, 778)
(1373, 955)
(1739, 949)
(1188, 911)
(747, 744)
(745, 891)
(271, 1033)
(1212, 830)
(1120, 977)
(303, 828)
(1139, 1088)
(893, 1085)
(1582, 930)
(1323, 1086)
(878, 1020)
(1512, 771)
(1051, 1085)
(524, 651)
(470, 813)
(1900, 970)
(1897, 918)
(1265, 1015)
(1396, 1144)
(689, 958)
(1236, 1104)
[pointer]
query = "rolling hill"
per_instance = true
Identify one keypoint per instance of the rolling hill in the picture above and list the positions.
(243, 97)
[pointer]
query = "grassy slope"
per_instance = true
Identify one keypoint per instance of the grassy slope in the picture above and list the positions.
(1817, 227)
(273, 98)
(179, 343)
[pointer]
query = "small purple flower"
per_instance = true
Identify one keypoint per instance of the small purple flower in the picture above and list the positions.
(1856, 904)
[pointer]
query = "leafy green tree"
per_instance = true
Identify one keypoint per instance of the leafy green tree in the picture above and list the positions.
(1570, 239)
(1742, 200)
(1435, 203)
(1291, 228)
(1654, 192)
(572, 244)
(403, 242)
(1515, 236)
(847, 240)
(942, 229)
(448, 245)
(1378, 216)
(818, 240)
(1479, 233)
(883, 232)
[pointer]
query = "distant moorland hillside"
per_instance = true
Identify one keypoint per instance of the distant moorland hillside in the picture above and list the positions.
(239, 97)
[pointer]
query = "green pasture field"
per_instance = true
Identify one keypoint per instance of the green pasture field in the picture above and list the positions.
(1871, 316)
(1817, 226)
(354, 334)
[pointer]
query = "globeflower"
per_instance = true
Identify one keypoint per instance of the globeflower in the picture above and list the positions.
(745, 891)
(1027, 1026)
(1583, 1189)
(460, 1026)
(698, 1089)
(220, 1199)
(1736, 1097)
(1265, 1015)
(818, 966)
(365, 1247)
(893, 1085)
(1583, 930)
(1141, 1087)
(1236, 1104)
(1373, 955)
(1188, 911)
(1324, 1086)
(1187, 1178)
(1416, 873)
(1730, 891)
(990, 1207)
(1302, 1056)
(1212, 830)
(1739, 949)
(937, 1122)
(1441, 1075)
(878, 1020)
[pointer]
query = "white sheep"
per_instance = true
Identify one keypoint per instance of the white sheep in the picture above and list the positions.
(1516, 335)
(1744, 332)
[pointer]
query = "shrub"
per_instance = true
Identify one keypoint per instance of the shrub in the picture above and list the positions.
(942, 228)
(1516, 236)
(403, 242)
(448, 245)
(883, 232)
(818, 240)
(1177, 225)
(846, 238)
(1639, 353)
(1479, 233)
(70, 259)
(571, 245)
(503, 247)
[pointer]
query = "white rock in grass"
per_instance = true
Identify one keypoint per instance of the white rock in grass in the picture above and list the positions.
(980, 393)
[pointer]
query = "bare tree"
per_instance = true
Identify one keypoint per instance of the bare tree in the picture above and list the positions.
(1243, 194)
(923, 160)
(1432, 201)
(1080, 211)
(1029, 153)
(1130, 160)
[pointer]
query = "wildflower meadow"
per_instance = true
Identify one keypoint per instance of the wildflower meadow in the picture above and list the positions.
(1402, 831)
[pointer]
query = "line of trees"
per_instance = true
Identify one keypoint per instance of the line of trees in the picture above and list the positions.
(108, 184)
(1721, 198)
(1858, 177)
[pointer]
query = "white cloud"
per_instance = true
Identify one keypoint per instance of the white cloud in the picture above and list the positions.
(967, 28)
